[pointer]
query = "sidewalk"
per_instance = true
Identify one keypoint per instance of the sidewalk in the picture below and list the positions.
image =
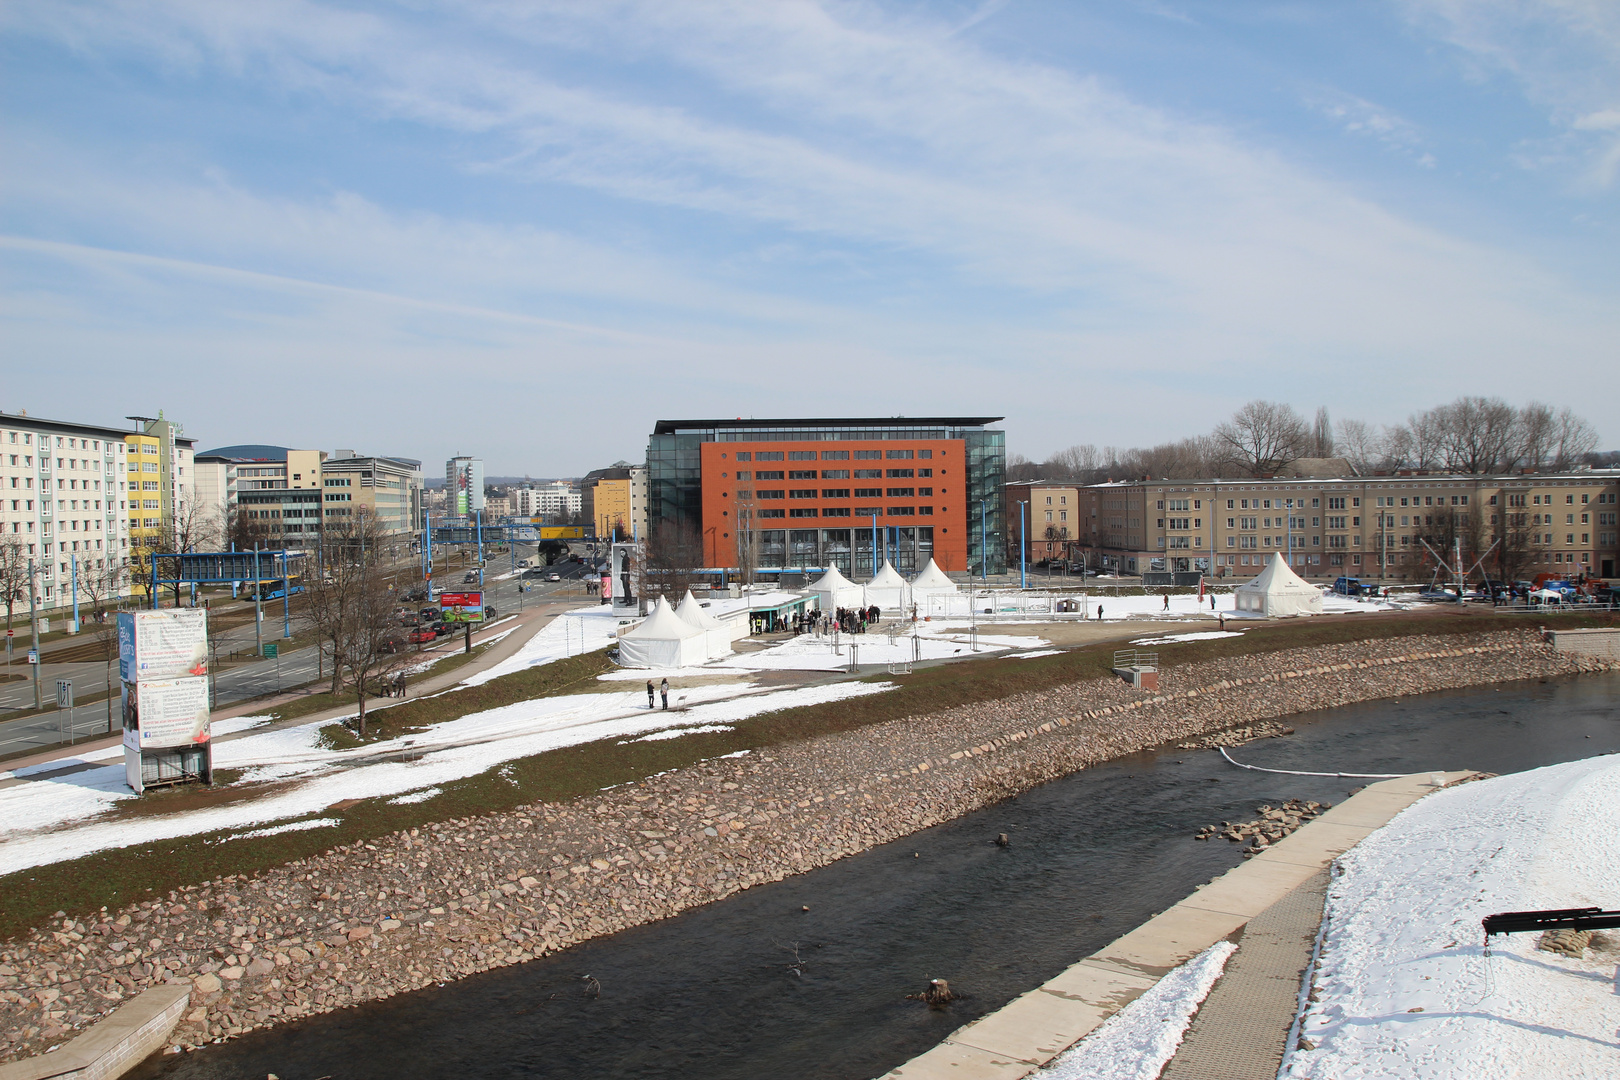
(529, 623)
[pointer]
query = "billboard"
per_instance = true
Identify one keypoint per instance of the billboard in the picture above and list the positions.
(462, 607)
(625, 566)
(163, 713)
(558, 532)
(162, 644)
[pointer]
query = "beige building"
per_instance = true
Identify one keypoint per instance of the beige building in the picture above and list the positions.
(1380, 528)
(615, 498)
(1051, 518)
(387, 489)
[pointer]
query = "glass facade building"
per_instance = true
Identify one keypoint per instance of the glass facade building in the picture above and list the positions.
(761, 492)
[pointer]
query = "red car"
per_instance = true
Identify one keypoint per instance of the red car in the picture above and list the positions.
(421, 635)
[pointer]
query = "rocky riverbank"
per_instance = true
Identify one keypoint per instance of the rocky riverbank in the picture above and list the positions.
(434, 904)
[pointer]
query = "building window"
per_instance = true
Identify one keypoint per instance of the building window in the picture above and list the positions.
(900, 455)
(771, 493)
(803, 512)
(901, 474)
(902, 511)
(801, 455)
(835, 455)
(902, 493)
(835, 474)
(835, 493)
(868, 455)
(835, 511)
(767, 455)
(801, 493)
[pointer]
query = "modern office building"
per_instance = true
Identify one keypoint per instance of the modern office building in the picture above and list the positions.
(389, 489)
(800, 495)
(62, 505)
(1382, 528)
(464, 485)
(614, 500)
(274, 488)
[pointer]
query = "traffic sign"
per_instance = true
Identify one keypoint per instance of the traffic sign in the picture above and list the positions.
(64, 693)
(270, 650)
(33, 656)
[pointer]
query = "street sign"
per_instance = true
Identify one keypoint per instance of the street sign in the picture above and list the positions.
(64, 693)
(33, 656)
(270, 650)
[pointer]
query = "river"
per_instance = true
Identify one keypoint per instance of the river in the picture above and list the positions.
(755, 986)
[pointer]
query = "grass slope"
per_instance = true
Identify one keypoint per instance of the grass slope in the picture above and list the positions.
(121, 876)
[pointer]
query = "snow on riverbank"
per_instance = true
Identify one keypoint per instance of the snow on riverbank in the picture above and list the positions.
(581, 630)
(1136, 1042)
(53, 819)
(1403, 987)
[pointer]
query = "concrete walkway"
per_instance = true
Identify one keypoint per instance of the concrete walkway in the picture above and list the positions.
(527, 625)
(1031, 1030)
(1241, 1030)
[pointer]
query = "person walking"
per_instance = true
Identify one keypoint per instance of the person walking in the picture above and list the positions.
(649, 694)
(1099, 613)
(1167, 601)
(1212, 601)
(663, 691)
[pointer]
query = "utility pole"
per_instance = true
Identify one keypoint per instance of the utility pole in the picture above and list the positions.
(984, 543)
(33, 620)
(258, 604)
(1023, 543)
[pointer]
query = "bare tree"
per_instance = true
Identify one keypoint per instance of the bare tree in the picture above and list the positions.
(1020, 468)
(1322, 434)
(101, 584)
(246, 533)
(1574, 440)
(1361, 445)
(188, 526)
(672, 553)
(13, 574)
(354, 610)
(745, 535)
(1478, 435)
(1261, 437)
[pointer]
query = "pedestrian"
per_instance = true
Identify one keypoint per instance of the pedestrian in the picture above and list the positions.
(649, 694)
(1212, 601)
(1167, 601)
(1222, 618)
(663, 691)
(1099, 612)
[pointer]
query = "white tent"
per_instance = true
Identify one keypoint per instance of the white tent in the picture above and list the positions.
(889, 591)
(1278, 591)
(933, 582)
(663, 640)
(717, 636)
(833, 590)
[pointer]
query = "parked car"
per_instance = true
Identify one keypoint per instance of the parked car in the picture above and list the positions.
(1432, 595)
(421, 635)
(1347, 586)
(489, 613)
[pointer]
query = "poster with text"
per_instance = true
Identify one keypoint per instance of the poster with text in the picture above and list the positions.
(164, 644)
(162, 713)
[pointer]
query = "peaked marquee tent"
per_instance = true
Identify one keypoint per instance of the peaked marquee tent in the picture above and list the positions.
(663, 640)
(933, 582)
(716, 635)
(833, 590)
(1277, 592)
(888, 590)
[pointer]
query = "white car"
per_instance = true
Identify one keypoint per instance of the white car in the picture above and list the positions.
(553, 576)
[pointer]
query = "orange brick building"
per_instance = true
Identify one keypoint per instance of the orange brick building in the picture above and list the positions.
(803, 495)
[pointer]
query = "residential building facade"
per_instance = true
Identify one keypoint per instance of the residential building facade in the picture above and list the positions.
(558, 499)
(1383, 528)
(63, 504)
(1047, 513)
(164, 513)
(388, 489)
(802, 495)
(614, 500)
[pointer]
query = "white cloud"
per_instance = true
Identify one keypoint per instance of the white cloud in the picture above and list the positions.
(1008, 221)
(1564, 54)
(1358, 116)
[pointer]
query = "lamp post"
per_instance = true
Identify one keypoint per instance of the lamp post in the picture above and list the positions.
(1023, 544)
(984, 543)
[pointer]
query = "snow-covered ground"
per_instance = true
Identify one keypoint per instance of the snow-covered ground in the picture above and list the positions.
(1136, 1042)
(581, 630)
(1403, 987)
(55, 818)
(807, 652)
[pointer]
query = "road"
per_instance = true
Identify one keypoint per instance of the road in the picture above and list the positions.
(241, 682)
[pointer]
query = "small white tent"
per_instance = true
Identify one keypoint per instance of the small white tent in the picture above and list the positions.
(663, 640)
(833, 590)
(889, 591)
(933, 582)
(717, 636)
(1277, 591)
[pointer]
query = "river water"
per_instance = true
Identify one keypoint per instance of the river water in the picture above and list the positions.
(753, 986)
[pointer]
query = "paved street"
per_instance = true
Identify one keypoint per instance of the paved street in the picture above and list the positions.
(242, 682)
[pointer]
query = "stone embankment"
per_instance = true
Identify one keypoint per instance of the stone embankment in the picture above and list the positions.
(437, 903)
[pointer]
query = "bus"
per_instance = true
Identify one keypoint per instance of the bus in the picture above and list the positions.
(274, 588)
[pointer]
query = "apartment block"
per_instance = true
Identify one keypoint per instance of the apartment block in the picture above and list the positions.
(63, 506)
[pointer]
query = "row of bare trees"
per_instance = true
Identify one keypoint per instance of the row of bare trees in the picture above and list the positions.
(1472, 435)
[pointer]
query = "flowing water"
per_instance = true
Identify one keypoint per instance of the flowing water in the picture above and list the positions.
(753, 986)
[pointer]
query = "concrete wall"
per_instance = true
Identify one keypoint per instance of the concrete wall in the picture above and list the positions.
(1604, 644)
(115, 1045)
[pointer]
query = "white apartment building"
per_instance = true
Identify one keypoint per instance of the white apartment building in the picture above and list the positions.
(558, 498)
(63, 505)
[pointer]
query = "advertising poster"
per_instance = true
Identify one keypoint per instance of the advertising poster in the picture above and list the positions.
(164, 713)
(462, 607)
(165, 644)
(625, 565)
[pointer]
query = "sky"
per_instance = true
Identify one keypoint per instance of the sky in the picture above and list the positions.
(527, 231)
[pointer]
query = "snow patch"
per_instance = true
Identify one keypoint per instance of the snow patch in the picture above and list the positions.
(675, 733)
(416, 796)
(291, 826)
(1201, 636)
(1136, 1042)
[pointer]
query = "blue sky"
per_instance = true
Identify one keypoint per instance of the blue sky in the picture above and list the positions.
(528, 230)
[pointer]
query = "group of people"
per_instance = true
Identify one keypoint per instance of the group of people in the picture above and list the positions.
(393, 686)
(848, 620)
(663, 691)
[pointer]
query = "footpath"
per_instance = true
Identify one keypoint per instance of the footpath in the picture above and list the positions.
(518, 629)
